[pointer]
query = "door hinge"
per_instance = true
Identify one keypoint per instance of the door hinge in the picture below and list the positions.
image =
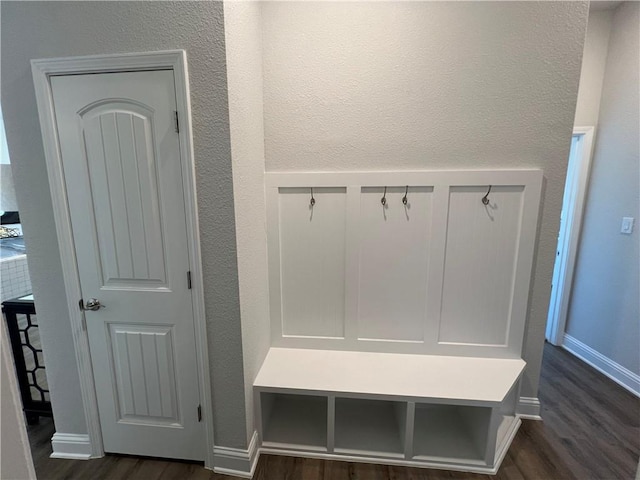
(175, 116)
(199, 413)
(189, 279)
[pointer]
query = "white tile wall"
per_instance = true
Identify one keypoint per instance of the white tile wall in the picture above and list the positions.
(14, 277)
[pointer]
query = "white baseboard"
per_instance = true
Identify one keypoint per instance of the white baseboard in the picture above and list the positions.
(71, 446)
(616, 372)
(528, 408)
(236, 461)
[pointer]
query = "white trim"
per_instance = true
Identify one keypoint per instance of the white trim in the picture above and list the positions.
(616, 372)
(175, 60)
(72, 446)
(568, 240)
(399, 178)
(528, 408)
(183, 105)
(236, 461)
(342, 457)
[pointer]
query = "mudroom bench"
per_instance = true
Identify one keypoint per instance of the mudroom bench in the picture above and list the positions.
(413, 410)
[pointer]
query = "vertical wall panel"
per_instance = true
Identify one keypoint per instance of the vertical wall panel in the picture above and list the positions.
(394, 246)
(480, 260)
(312, 254)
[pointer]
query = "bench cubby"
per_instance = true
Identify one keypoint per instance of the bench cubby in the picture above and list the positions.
(450, 432)
(294, 421)
(364, 426)
(386, 408)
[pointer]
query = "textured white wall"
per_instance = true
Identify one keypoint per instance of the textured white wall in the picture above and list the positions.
(243, 41)
(604, 312)
(15, 454)
(53, 29)
(594, 60)
(413, 85)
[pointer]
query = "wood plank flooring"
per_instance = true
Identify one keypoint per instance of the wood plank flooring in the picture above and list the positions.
(591, 430)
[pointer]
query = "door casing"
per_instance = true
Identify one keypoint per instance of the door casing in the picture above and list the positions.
(570, 237)
(176, 60)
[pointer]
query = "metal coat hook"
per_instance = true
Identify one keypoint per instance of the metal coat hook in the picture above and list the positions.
(312, 202)
(383, 200)
(485, 199)
(404, 199)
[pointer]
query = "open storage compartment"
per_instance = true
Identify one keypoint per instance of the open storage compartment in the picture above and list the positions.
(451, 433)
(294, 421)
(370, 426)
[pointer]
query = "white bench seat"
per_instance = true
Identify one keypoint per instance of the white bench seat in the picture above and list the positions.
(438, 379)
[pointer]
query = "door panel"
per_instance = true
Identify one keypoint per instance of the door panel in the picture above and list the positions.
(123, 173)
(143, 366)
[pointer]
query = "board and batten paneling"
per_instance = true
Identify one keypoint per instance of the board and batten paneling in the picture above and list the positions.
(394, 261)
(442, 274)
(481, 247)
(312, 254)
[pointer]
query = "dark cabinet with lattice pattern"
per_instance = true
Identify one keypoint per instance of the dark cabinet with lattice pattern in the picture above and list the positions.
(20, 315)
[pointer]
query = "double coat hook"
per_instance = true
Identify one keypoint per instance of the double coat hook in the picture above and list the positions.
(383, 200)
(312, 202)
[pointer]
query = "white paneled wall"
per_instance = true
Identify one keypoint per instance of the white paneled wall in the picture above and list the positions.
(442, 273)
(312, 260)
(14, 274)
(480, 255)
(394, 262)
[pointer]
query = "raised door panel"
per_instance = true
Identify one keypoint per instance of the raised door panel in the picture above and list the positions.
(480, 265)
(393, 265)
(119, 146)
(143, 366)
(312, 266)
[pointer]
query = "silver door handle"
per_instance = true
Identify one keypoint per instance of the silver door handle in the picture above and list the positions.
(92, 304)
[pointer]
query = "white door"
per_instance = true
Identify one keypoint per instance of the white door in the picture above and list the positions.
(556, 307)
(122, 169)
(569, 234)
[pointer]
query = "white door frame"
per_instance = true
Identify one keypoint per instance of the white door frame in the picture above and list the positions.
(176, 60)
(569, 236)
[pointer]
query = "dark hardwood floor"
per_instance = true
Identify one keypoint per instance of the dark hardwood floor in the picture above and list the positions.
(591, 430)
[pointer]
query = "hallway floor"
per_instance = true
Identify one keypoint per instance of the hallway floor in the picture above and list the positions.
(591, 430)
